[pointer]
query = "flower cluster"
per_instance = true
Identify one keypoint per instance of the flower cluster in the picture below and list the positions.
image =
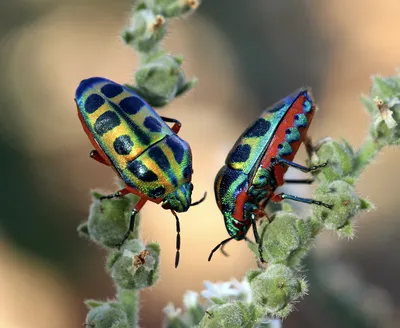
(217, 301)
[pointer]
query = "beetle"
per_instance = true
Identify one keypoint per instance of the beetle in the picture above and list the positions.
(148, 156)
(255, 166)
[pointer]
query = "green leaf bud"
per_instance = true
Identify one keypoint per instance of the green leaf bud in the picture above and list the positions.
(339, 156)
(109, 219)
(135, 266)
(285, 240)
(145, 31)
(230, 315)
(160, 79)
(146, 4)
(175, 8)
(346, 205)
(106, 316)
(276, 288)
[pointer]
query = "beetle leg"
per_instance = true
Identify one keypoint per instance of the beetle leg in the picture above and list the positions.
(302, 168)
(249, 240)
(177, 125)
(261, 195)
(210, 314)
(222, 243)
(282, 196)
(310, 148)
(261, 179)
(223, 250)
(96, 156)
(119, 193)
(252, 191)
(226, 254)
(256, 236)
(258, 261)
(313, 148)
(137, 208)
(304, 181)
(249, 207)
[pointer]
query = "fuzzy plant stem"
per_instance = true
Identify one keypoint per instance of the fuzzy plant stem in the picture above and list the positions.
(159, 80)
(128, 298)
(130, 301)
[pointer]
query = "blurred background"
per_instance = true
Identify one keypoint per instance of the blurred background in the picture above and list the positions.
(247, 55)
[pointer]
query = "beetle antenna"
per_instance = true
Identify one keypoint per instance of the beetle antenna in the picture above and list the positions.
(222, 243)
(200, 200)
(178, 239)
(226, 254)
(223, 251)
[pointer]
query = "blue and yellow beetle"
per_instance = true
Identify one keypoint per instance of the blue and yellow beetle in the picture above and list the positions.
(130, 137)
(255, 166)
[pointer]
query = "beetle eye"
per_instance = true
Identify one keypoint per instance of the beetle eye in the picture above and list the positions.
(166, 205)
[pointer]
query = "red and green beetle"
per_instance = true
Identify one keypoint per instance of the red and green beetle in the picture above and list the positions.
(257, 162)
(130, 137)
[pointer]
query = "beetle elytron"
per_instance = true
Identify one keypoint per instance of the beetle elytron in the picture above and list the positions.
(257, 162)
(130, 137)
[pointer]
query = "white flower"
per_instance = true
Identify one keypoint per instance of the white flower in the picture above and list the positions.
(385, 113)
(387, 116)
(190, 299)
(171, 312)
(218, 290)
(272, 323)
(243, 288)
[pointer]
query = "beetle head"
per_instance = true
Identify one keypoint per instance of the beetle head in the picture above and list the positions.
(180, 200)
(235, 228)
